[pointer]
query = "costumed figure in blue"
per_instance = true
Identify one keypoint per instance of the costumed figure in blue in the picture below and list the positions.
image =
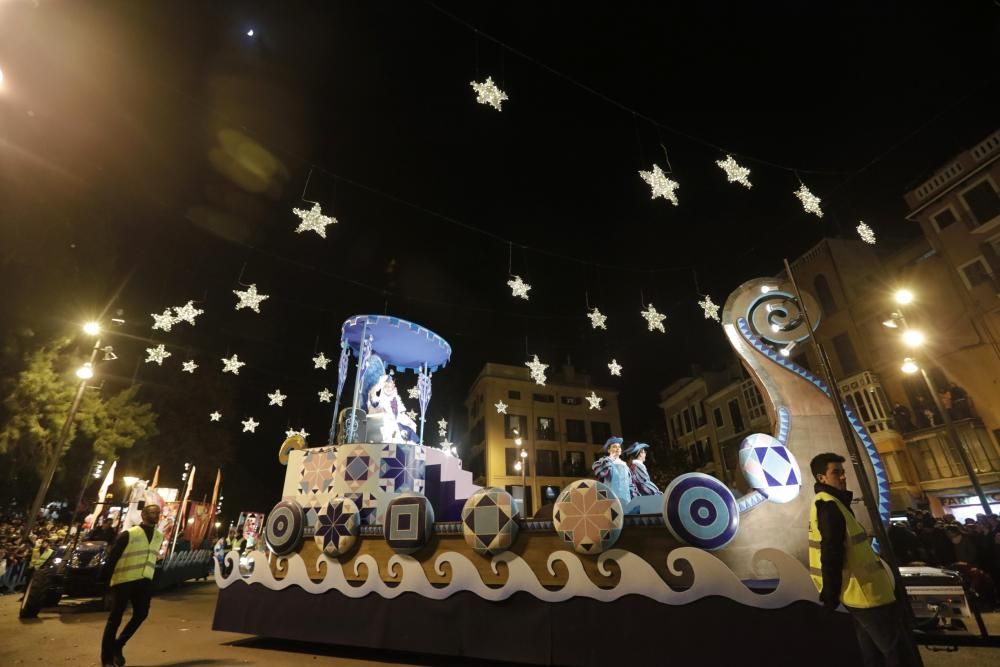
(386, 410)
(614, 472)
(644, 486)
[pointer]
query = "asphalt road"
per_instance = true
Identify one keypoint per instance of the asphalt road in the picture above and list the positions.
(179, 632)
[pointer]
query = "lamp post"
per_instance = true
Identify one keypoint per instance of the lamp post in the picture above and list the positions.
(915, 339)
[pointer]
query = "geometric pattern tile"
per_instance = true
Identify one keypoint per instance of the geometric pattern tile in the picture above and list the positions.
(338, 525)
(401, 468)
(588, 516)
(770, 468)
(701, 511)
(318, 470)
(283, 531)
(409, 523)
(370, 504)
(357, 469)
(489, 521)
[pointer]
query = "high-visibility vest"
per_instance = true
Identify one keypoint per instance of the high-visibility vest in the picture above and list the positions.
(138, 561)
(38, 557)
(866, 583)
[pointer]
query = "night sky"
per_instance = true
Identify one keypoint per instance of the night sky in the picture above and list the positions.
(152, 153)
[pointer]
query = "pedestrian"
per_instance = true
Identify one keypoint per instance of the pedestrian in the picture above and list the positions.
(131, 563)
(845, 568)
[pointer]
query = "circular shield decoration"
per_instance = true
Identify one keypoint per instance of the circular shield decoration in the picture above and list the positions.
(701, 510)
(489, 521)
(338, 524)
(409, 523)
(588, 516)
(284, 528)
(770, 467)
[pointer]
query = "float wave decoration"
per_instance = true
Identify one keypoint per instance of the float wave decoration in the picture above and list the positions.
(637, 577)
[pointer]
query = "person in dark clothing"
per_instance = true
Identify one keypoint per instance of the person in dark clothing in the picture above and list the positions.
(131, 564)
(964, 548)
(904, 543)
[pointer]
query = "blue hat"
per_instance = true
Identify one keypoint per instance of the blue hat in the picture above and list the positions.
(613, 440)
(636, 448)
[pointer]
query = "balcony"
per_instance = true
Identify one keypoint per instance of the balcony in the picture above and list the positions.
(940, 467)
(864, 394)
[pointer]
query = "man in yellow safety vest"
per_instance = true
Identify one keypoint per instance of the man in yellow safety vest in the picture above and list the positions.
(847, 570)
(131, 564)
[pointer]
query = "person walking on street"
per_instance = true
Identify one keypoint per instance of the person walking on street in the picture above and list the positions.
(845, 568)
(131, 563)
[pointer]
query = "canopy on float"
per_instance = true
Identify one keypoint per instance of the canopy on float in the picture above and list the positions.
(403, 345)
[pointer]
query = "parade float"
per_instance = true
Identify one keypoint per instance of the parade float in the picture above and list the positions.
(381, 541)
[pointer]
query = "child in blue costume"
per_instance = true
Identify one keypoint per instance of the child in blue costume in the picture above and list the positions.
(614, 472)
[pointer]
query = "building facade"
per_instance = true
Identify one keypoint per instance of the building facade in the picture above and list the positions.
(552, 423)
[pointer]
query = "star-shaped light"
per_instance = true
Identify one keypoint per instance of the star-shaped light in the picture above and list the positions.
(215, 416)
(537, 370)
(735, 173)
(711, 309)
(156, 354)
(442, 424)
(301, 432)
(866, 233)
(277, 398)
(189, 366)
(232, 365)
(412, 414)
(413, 392)
(597, 319)
(165, 321)
(325, 396)
(187, 312)
(250, 425)
(810, 202)
(615, 367)
(661, 185)
(446, 445)
(654, 319)
(250, 298)
(313, 220)
(501, 407)
(594, 400)
(488, 93)
(320, 361)
(518, 287)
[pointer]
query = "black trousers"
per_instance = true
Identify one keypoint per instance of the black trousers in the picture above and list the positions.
(880, 636)
(139, 593)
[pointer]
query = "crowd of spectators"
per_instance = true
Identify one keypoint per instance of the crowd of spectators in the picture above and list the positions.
(20, 553)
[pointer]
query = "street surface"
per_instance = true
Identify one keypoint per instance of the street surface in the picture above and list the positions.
(179, 632)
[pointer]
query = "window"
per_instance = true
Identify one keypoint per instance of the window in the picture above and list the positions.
(571, 400)
(752, 397)
(825, 295)
(975, 273)
(547, 461)
(600, 432)
(522, 498)
(545, 429)
(687, 421)
(514, 395)
(944, 219)
(736, 416)
(983, 202)
(478, 433)
(573, 465)
(845, 353)
(576, 430)
(511, 422)
(717, 415)
(699, 414)
(511, 456)
(543, 398)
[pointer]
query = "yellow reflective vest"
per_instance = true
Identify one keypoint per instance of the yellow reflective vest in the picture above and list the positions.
(138, 561)
(866, 583)
(38, 557)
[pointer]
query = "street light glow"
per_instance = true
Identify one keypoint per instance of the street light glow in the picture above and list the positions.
(909, 366)
(129, 480)
(903, 297)
(85, 372)
(517, 466)
(92, 328)
(913, 338)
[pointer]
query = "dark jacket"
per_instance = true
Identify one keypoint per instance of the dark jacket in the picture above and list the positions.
(833, 545)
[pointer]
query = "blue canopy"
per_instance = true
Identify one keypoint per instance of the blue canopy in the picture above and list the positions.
(403, 345)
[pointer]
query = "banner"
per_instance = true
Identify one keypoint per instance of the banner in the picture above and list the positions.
(198, 524)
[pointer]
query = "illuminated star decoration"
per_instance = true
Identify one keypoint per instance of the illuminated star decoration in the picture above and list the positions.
(660, 184)
(320, 361)
(654, 319)
(215, 416)
(537, 370)
(412, 414)
(156, 354)
(232, 365)
(313, 220)
(277, 398)
(594, 400)
(518, 287)
(187, 312)
(165, 321)
(189, 366)
(810, 202)
(413, 392)
(250, 298)
(597, 319)
(734, 171)
(501, 407)
(301, 432)
(866, 233)
(488, 93)
(615, 368)
(442, 424)
(250, 425)
(711, 309)
(325, 396)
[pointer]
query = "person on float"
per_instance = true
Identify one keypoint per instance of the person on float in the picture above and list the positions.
(644, 486)
(614, 472)
(845, 568)
(131, 564)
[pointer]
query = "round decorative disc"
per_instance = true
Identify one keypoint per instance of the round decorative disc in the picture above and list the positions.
(409, 523)
(588, 516)
(338, 524)
(489, 521)
(701, 510)
(770, 467)
(284, 529)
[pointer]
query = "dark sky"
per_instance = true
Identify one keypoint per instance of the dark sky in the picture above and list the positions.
(152, 154)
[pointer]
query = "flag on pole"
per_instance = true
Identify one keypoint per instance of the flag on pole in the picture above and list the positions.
(156, 479)
(179, 526)
(88, 521)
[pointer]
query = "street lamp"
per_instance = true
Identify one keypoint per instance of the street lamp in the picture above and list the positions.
(85, 372)
(913, 338)
(909, 366)
(92, 328)
(903, 297)
(129, 481)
